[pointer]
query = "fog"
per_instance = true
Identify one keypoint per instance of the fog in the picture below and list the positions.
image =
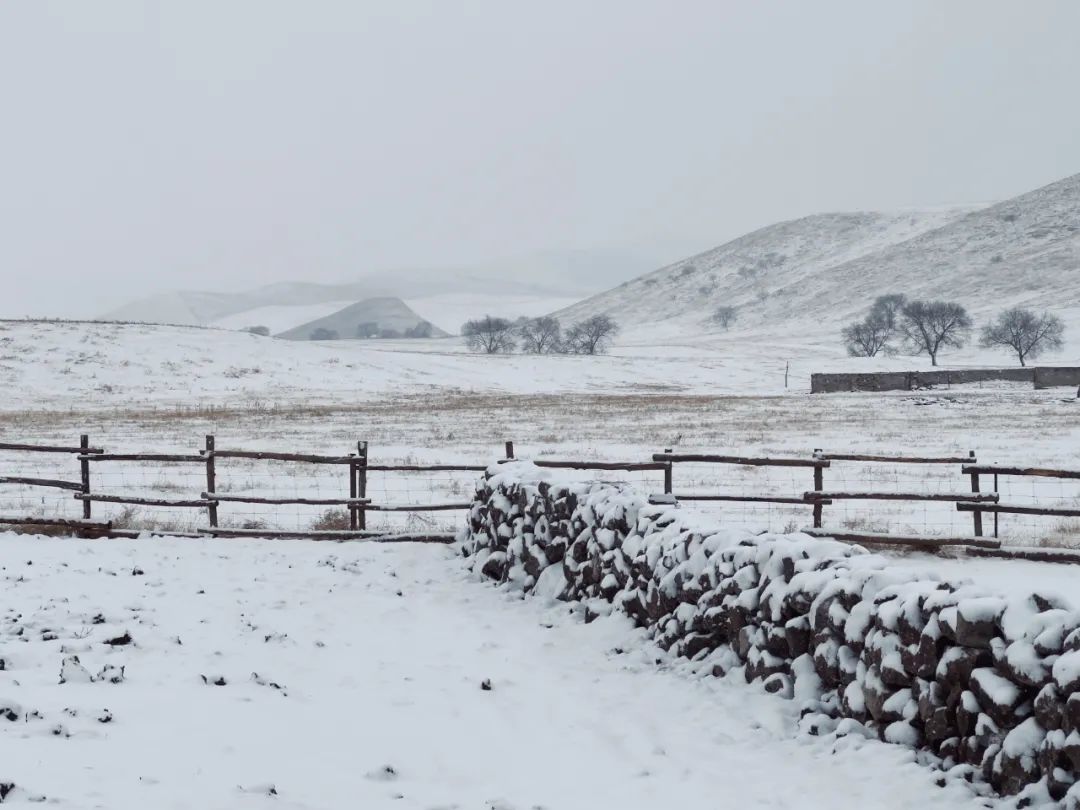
(207, 145)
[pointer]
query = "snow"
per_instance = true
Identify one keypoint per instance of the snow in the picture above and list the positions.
(380, 653)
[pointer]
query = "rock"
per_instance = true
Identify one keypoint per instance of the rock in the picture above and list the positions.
(1023, 665)
(1071, 749)
(910, 623)
(967, 714)
(1050, 641)
(1017, 766)
(977, 621)
(1058, 783)
(940, 725)
(695, 643)
(71, 671)
(998, 696)
(776, 640)
(1070, 720)
(825, 663)
(875, 694)
(927, 654)
(1072, 641)
(494, 566)
(779, 683)
(957, 663)
(1048, 708)
(1066, 671)
(798, 635)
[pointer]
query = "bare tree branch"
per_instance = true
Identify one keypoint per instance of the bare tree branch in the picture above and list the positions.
(1025, 332)
(489, 335)
(929, 326)
(540, 335)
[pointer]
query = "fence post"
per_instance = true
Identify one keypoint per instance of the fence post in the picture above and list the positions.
(354, 474)
(361, 482)
(995, 513)
(819, 486)
(211, 481)
(668, 484)
(509, 450)
(84, 469)
(976, 515)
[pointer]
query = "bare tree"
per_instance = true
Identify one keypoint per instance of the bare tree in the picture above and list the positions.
(591, 336)
(866, 338)
(1025, 332)
(540, 335)
(929, 326)
(489, 335)
(725, 316)
(886, 311)
(263, 331)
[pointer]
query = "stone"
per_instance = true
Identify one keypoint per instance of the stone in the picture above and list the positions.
(977, 621)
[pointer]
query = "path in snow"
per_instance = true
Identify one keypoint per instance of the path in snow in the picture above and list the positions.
(381, 652)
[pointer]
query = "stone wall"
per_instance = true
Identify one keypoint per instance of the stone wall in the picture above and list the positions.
(1055, 376)
(914, 380)
(987, 687)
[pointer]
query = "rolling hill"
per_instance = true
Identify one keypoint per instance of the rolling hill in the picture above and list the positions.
(372, 317)
(822, 270)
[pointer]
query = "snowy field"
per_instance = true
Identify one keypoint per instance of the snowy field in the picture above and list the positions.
(161, 389)
(307, 675)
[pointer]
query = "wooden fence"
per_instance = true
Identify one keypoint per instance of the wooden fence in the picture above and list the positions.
(357, 503)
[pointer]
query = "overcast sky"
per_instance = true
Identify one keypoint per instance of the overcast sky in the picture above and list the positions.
(221, 144)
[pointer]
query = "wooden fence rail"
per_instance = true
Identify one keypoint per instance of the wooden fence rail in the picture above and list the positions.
(357, 502)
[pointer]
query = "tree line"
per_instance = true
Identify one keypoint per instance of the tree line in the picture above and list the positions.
(492, 335)
(928, 327)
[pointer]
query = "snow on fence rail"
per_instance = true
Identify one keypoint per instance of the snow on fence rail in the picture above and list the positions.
(871, 498)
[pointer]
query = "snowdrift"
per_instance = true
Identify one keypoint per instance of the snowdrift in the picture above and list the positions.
(989, 686)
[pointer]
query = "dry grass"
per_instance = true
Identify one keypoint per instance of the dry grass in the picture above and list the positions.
(332, 520)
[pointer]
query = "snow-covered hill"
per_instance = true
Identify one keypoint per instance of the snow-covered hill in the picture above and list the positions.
(748, 271)
(371, 317)
(815, 273)
(534, 283)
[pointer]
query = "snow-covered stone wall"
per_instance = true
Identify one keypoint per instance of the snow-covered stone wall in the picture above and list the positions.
(989, 685)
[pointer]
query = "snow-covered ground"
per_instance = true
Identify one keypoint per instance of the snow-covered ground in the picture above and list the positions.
(307, 675)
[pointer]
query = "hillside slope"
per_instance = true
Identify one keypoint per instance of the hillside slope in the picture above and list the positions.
(368, 318)
(1025, 250)
(820, 271)
(770, 263)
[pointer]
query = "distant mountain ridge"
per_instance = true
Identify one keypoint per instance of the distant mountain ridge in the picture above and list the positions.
(548, 274)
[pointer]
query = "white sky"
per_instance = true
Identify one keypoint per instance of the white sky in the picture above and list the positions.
(222, 144)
